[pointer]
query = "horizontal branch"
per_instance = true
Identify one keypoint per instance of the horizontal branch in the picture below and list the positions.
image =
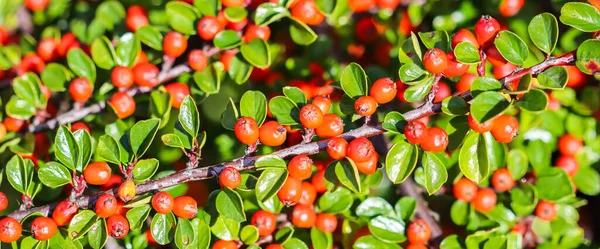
(247, 163)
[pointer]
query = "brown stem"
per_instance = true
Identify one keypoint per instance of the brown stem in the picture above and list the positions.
(247, 163)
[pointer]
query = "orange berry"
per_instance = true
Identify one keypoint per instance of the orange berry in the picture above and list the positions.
(178, 92)
(272, 133)
(465, 190)
(303, 216)
(174, 44)
(97, 173)
(118, 226)
(163, 202)
(505, 128)
(311, 116)
(300, 167)
(485, 200)
(127, 190)
(246, 130)
(122, 104)
(10, 230)
(502, 180)
(43, 228)
(185, 207)
(106, 206)
(383, 90)
(64, 212)
(365, 106)
(290, 192)
(326, 222)
(230, 177)
(265, 221)
(332, 126)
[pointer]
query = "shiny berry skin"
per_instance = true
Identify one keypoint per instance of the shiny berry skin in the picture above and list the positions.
(443, 92)
(224, 244)
(46, 49)
(365, 106)
(418, 232)
(502, 180)
(80, 89)
(80, 126)
(197, 60)
(360, 150)
(464, 35)
(480, 128)
(415, 132)
(435, 61)
(43, 228)
(114, 181)
(146, 75)
(300, 167)
(497, 60)
(3, 202)
(485, 200)
(274, 246)
(208, 27)
(64, 212)
(370, 166)
(134, 22)
(106, 206)
(174, 44)
(360, 5)
(290, 192)
(545, 210)
(162, 202)
(307, 12)
(383, 90)
(13, 125)
(246, 130)
(465, 82)
(272, 133)
(185, 207)
(415, 246)
(510, 8)
(178, 92)
(318, 181)
(436, 141)
(127, 190)
(122, 104)
(118, 226)
(3, 36)
(326, 222)
(323, 102)
(226, 58)
(10, 230)
(337, 148)
(257, 32)
(122, 77)
(265, 221)
(569, 145)
(67, 42)
(455, 68)
(465, 190)
(505, 128)
(237, 26)
(486, 30)
(311, 116)
(233, 3)
(332, 126)
(303, 216)
(36, 5)
(309, 194)
(97, 173)
(569, 164)
(230, 177)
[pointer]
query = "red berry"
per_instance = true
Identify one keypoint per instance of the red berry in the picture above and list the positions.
(80, 89)
(36, 5)
(510, 8)
(233, 3)
(323, 102)
(418, 232)
(465, 82)
(361, 5)
(569, 164)
(230, 177)
(257, 32)
(47, 49)
(365, 106)
(370, 166)
(360, 150)
(67, 42)
(326, 222)
(465, 190)
(208, 27)
(290, 192)
(318, 181)
(197, 60)
(311, 116)
(480, 128)
(122, 77)
(237, 26)
(122, 104)
(146, 75)
(224, 244)
(383, 90)
(436, 141)
(435, 61)
(546, 210)
(455, 68)
(272, 133)
(3, 202)
(337, 148)
(97, 173)
(246, 130)
(265, 221)
(80, 126)
(387, 4)
(127, 190)
(118, 226)
(174, 44)
(415, 246)
(134, 22)
(303, 216)
(497, 60)
(163, 202)
(485, 200)
(306, 11)
(309, 194)
(274, 246)
(64, 212)
(227, 57)
(10, 230)
(502, 180)
(505, 128)
(569, 145)
(300, 167)
(464, 35)
(332, 126)
(443, 92)
(415, 132)
(486, 29)
(43, 228)
(178, 92)
(106, 205)
(185, 207)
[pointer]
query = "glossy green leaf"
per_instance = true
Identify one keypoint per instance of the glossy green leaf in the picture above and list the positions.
(84, 144)
(294, 243)
(581, 16)
(374, 206)
(81, 64)
(209, 80)
(163, 228)
(81, 223)
(587, 181)
(229, 205)
(235, 14)
(511, 47)
(411, 72)
(588, 56)
(371, 242)
(320, 239)
(208, 7)
(554, 184)
(483, 84)
(269, 182)
(534, 101)
(249, 234)
(459, 212)
(387, 229)
(66, 149)
(454, 105)
(401, 160)
(543, 31)
(524, 199)
(128, 49)
(517, 163)
(19, 173)
(20, 109)
(354, 81)
(227, 39)
(488, 105)
(406, 207)
(226, 229)
(270, 161)
(295, 94)
(466, 53)
(53, 174)
(141, 135)
(436, 39)
(254, 104)
(103, 53)
(257, 52)
(394, 121)
(267, 13)
(189, 118)
(108, 149)
(144, 169)
(27, 89)
(284, 110)
(554, 78)
(56, 77)
(98, 234)
(342, 173)
(137, 216)
(435, 172)
(410, 51)
(473, 159)
(230, 115)
(239, 69)
(182, 17)
(418, 92)
(184, 234)
(336, 202)
(301, 33)
(150, 36)
(202, 233)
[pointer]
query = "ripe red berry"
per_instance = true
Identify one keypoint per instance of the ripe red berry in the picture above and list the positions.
(303, 216)
(224, 244)
(486, 29)
(300, 167)
(309, 194)
(3, 202)
(67, 42)
(64, 212)
(497, 60)
(455, 68)
(97, 173)
(370, 166)
(122, 77)
(307, 12)
(326, 222)
(174, 44)
(36, 5)
(197, 60)
(502, 180)
(118, 226)
(163, 202)
(464, 190)
(146, 75)
(290, 192)
(46, 49)
(80, 89)
(272, 133)
(546, 210)
(485, 200)
(134, 22)
(185, 207)
(311, 116)
(332, 126)
(323, 102)
(265, 221)
(122, 104)
(43, 228)
(414, 246)
(569, 164)
(569, 145)
(480, 128)
(318, 181)
(10, 230)
(246, 130)
(337, 148)
(208, 27)
(237, 26)
(464, 35)
(383, 90)
(230, 177)
(127, 190)
(257, 32)
(365, 106)
(80, 126)
(178, 92)
(274, 246)
(436, 141)
(227, 57)
(415, 132)
(418, 232)
(106, 206)
(510, 8)
(435, 61)
(505, 128)
(360, 150)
